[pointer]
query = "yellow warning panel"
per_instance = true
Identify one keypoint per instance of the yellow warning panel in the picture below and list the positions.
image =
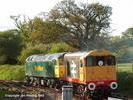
(39, 68)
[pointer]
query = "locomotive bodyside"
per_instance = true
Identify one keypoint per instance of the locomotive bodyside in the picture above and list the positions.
(91, 71)
(45, 69)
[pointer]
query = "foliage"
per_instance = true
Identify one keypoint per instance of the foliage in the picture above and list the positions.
(30, 50)
(82, 26)
(37, 30)
(53, 32)
(125, 81)
(128, 33)
(85, 23)
(11, 44)
(122, 46)
(22, 23)
(116, 46)
(3, 57)
(12, 72)
(44, 49)
(61, 47)
(45, 31)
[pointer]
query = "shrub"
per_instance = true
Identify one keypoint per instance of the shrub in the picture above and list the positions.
(3, 59)
(125, 81)
(61, 47)
(44, 49)
(37, 49)
(11, 44)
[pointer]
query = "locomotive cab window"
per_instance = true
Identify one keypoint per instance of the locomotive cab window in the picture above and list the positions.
(100, 61)
(111, 60)
(90, 61)
(68, 68)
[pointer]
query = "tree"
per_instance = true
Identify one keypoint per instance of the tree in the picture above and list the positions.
(11, 44)
(122, 46)
(24, 26)
(46, 31)
(61, 47)
(31, 50)
(85, 23)
(38, 30)
(128, 33)
(117, 46)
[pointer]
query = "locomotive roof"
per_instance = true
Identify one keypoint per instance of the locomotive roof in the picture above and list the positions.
(81, 54)
(47, 57)
(101, 52)
(77, 54)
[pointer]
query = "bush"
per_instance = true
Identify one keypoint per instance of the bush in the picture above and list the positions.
(11, 44)
(3, 59)
(44, 49)
(125, 81)
(37, 49)
(61, 47)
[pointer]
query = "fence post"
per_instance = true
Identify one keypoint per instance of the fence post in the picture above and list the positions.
(67, 92)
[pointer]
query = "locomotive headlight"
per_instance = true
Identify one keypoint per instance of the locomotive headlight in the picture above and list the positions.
(91, 86)
(113, 85)
(100, 63)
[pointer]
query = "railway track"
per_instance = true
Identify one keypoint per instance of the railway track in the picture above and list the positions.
(18, 90)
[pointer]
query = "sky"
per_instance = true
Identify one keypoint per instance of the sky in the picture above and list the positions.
(121, 19)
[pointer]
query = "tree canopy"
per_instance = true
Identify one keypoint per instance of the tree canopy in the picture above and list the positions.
(85, 23)
(10, 46)
(122, 46)
(70, 25)
(128, 33)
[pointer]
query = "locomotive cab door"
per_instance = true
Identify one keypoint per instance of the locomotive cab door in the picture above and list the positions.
(62, 71)
(56, 66)
(59, 68)
(82, 70)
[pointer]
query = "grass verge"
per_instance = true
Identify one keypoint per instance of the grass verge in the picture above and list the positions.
(125, 67)
(12, 72)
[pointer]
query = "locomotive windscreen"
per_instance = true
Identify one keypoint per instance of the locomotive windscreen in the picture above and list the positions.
(111, 60)
(101, 60)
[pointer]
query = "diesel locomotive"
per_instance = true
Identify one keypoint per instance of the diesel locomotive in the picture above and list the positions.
(90, 72)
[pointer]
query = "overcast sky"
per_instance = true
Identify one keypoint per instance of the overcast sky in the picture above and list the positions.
(122, 17)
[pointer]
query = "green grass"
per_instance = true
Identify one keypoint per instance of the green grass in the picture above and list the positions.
(12, 72)
(125, 67)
